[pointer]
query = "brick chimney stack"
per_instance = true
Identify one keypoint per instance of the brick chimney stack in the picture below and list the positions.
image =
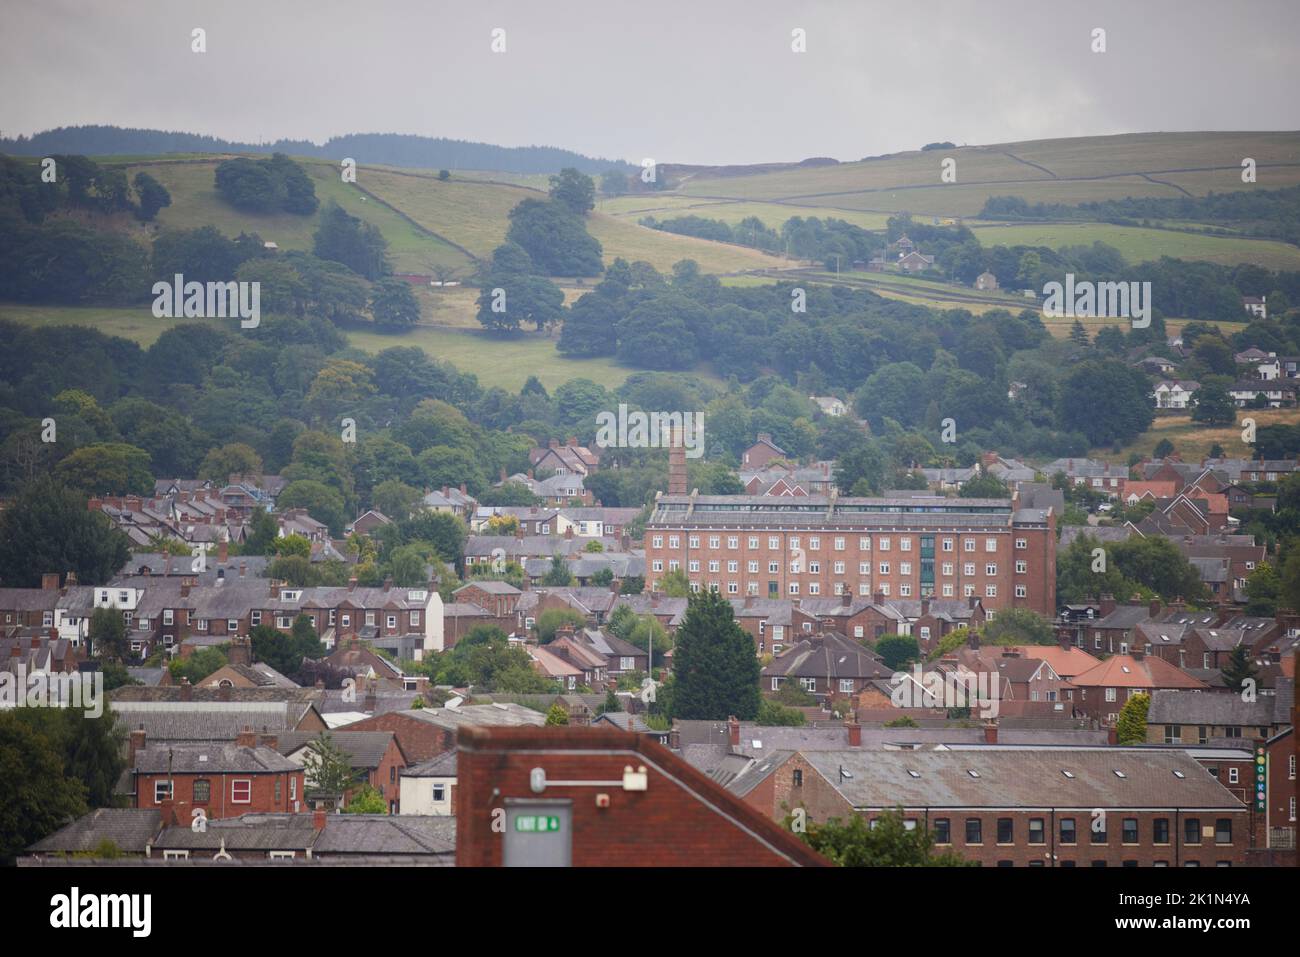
(241, 652)
(991, 732)
(855, 731)
(676, 464)
(246, 738)
(187, 690)
(137, 744)
(733, 731)
(50, 581)
(223, 551)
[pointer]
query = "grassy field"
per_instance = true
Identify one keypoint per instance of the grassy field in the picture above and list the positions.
(1076, 170)
(1139, 245)
(195, 203)
(496, 361)
(504, 362)
(474, 214)
(428, 222)
(1194, 441)
(666, 206)
(136, 324)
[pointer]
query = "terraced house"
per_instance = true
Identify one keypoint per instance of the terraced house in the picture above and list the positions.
(816, 545)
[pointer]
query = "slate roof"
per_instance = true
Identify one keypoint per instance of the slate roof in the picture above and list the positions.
(193, 722)
(443, 766)
(1030, 778)
(1194, 707)
(214, 758)
(365, 749)
(830, 656)
(401, 834)
(129, 828)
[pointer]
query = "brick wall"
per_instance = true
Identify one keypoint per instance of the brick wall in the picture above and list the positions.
(681, 819)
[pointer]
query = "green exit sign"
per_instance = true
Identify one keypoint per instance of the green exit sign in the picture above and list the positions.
(537, 823)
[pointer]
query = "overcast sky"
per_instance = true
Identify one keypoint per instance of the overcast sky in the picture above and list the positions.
(693, 81)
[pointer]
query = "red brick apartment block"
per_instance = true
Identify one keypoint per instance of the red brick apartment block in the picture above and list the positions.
(578, 796)
(817, 546)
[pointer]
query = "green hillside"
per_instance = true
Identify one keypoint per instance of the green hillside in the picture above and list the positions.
(428, 222)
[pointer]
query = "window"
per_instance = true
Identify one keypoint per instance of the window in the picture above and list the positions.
(439, 793)
(1022, 568)
(1160, 830)
(658, 541)
(715, 541)
(1068, 833)
(1022, 543)
(884, 568)
(1232, 775)
(1110, 694)
(990, 591)
(846, 685)
(1037, 831)
(693, 541)
(968, 544)
(1006, 830)
(1223, 830)
(905, 544)
(1129, 831)
(1098, 830)
(814, 542)
(990, 544)
(839, 544)
(968, 568)
(161, 791)
(241, 791)
(176, 855)
(202, 791)
(794, 543)
(733, 541)
(904, 568)
(974, 831)
(991, 569)
(1192, 830)
(884, 544)
(797, 778)
(279, 790)
(674, 541)
(808, 684)
(942, 831)
(1022, 591)
(773, 542)
(753, 541)
(392, 621)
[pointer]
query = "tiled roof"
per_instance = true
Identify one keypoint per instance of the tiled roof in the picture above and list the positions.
(1125, 671)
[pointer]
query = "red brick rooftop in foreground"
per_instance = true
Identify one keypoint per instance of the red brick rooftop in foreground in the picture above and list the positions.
(593, 814)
